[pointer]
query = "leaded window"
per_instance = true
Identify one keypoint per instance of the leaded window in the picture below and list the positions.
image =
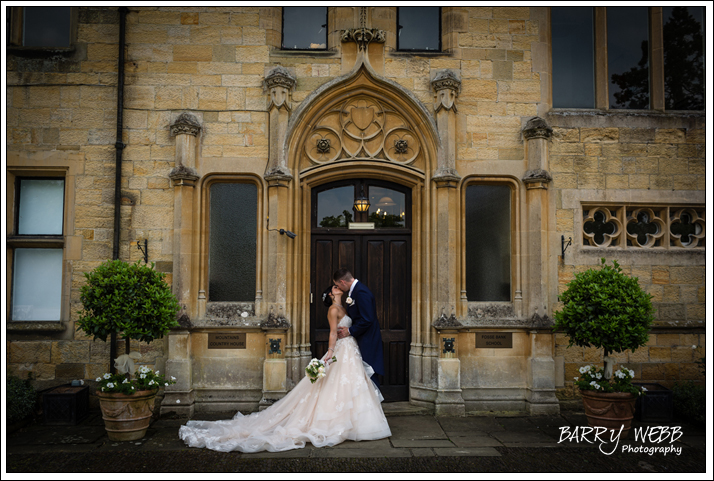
(232, 245)
(419, 29)
(488, 242)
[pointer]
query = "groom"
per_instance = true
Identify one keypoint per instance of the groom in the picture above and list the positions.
(362, 308)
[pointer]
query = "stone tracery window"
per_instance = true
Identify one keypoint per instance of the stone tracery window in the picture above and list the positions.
(644, 226)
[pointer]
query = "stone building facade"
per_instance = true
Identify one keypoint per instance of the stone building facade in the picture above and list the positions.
(228, 137)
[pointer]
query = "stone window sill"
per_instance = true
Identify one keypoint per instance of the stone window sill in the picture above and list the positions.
(25, 326)
(305, 53)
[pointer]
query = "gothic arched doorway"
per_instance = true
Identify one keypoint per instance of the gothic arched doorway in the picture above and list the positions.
(376, 247)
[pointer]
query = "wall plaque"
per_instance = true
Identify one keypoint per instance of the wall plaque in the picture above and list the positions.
(226, 341)
(494, 340)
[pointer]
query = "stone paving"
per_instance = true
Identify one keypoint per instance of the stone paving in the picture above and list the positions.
(415, 433)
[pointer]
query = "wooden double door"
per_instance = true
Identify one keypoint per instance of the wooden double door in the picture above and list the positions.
(381, 259)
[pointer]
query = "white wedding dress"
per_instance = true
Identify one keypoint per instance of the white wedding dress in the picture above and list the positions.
(345, 404)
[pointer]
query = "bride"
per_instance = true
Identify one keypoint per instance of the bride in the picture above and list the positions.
(345, 404)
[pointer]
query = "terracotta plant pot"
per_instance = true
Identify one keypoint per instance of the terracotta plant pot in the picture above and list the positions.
(127, 416)
(611, 410)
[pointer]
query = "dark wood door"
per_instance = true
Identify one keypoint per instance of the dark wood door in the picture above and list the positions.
(382, 261)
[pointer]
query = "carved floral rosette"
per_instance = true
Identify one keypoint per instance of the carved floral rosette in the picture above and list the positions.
(362, 128)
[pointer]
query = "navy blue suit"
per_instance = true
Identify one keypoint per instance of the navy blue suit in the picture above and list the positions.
(365, 327)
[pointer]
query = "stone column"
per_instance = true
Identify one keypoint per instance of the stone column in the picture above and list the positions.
(537, 133)
(279, 83)
(183, 176)
(446, 86)
(540, 394)
(274, 367)
(449, 400)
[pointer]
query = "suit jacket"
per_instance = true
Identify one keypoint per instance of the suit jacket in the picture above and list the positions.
(365, 327)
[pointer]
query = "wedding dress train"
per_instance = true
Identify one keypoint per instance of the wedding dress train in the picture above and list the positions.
(343, 405)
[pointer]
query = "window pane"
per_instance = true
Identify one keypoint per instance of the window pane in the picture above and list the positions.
(41, 207)
(573, 56)
(418, 28)
(232, 245)
(628, 58)
(37, 285)
(304, 28)
(387, 207)
(334, 207)
(488, 243)
(683, 37)
(46, 26)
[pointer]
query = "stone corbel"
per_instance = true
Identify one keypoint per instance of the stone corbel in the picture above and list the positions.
(447, 86)
(537, 128)
(363, 37)
(537, 179)
(279, 82)
(186, 129)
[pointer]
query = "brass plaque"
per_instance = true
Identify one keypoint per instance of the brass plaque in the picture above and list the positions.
(226, 340)
(494, 340)
(361, 225)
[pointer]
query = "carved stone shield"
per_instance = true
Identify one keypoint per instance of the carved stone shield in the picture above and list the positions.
(362, 117)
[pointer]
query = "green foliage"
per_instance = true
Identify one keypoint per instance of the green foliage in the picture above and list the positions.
(338, 221)
(21, 399)
(592, 379)
(132, 299)
(386, 220)
(690, 401)
(144, 379)
(606, 309)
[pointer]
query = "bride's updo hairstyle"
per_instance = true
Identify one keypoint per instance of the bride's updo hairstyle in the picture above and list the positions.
(326, 297)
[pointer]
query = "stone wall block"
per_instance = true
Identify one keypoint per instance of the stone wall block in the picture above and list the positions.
(30, 351)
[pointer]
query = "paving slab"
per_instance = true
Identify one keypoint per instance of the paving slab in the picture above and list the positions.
(422, 443)
(422, 452)
(305, 452)
(535, 436)
(532, 445)
(378, 444)
(58, 435)
(575, 418)
(466, 452)
(475, 441)
(415, 427)
(462, 426)
(521, 424)
(363, 453)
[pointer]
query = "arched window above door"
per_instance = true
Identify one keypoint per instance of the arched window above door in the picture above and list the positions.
(333, 205)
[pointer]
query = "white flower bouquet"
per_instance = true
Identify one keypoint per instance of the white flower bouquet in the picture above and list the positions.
(317, 369)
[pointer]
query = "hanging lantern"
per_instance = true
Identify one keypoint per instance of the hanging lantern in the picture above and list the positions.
(361, 203)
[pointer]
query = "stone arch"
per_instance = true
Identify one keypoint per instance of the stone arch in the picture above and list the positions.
(397, 126)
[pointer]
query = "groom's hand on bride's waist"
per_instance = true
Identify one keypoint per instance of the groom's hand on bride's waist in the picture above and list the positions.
(343, 332)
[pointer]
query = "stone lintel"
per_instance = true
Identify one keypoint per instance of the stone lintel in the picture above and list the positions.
(186, 124)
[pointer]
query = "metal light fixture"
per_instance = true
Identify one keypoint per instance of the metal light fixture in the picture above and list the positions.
(292, 235)
(361, 203)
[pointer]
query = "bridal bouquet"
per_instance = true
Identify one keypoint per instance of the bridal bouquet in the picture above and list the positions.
(317, 369)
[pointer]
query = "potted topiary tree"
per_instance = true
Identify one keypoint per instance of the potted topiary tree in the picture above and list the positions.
(134, 300)
(606, 309)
